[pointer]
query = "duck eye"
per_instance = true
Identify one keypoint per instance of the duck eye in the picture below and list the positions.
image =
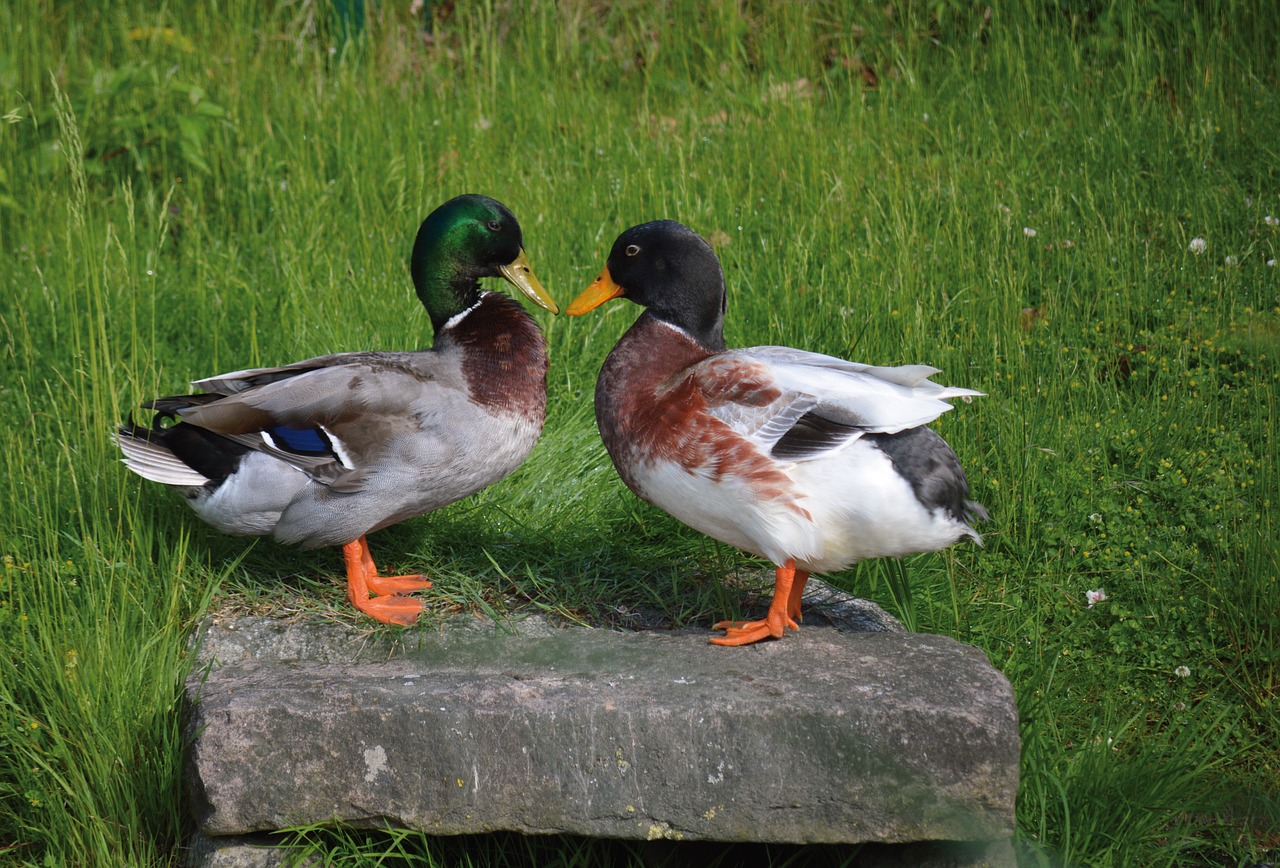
(493, 225)
(633, 249)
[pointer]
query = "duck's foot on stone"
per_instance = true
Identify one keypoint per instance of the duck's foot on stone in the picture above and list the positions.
(784, 611)
(749, 632)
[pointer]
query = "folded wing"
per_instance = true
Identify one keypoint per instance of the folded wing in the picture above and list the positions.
(795, 405)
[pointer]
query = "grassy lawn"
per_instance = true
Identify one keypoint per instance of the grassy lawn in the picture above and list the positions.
(1069, 206)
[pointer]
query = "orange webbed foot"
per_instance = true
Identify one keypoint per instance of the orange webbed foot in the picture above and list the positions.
(784, 611)
(391, 609)
(396, 584)
(749, 632)
(387, 603)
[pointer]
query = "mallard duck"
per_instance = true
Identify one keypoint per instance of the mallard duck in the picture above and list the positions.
(325, 451)
(810, 461)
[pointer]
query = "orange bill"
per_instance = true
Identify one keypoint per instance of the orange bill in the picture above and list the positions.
(601, 290)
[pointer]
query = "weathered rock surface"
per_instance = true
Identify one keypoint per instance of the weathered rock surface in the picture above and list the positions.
(825, 736)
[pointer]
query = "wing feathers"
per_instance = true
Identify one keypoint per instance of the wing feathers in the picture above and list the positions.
(296, 413)
(797, 404)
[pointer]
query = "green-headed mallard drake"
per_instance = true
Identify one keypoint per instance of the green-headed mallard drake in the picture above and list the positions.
(325, 451)
(810, 461)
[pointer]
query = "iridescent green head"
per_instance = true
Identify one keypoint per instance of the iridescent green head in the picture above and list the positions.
(465, 239)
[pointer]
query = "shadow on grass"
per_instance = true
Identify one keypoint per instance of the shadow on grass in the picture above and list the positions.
(346, 846)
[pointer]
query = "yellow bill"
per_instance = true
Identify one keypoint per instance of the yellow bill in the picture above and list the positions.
(520, 273)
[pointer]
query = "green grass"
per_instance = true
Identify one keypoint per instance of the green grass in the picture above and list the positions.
(203, 187)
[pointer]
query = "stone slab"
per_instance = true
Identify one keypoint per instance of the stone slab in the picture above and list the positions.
(825, 736)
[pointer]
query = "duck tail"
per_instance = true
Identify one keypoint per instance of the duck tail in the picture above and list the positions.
(146, 454)
(178, 453)
(974, 511)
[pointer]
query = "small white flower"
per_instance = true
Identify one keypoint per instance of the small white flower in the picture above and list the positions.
(1231, 260)
(1271, 221)
(1095, 596)
(1182, 672)
(1271, 262)
(1095, 518)
(1197, 246)
(1028, 231)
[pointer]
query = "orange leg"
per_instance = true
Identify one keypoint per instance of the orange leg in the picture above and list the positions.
(797, 595)
(387, 605)
(784, 610)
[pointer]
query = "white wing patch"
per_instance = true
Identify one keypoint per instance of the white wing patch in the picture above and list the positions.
(344, 457)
